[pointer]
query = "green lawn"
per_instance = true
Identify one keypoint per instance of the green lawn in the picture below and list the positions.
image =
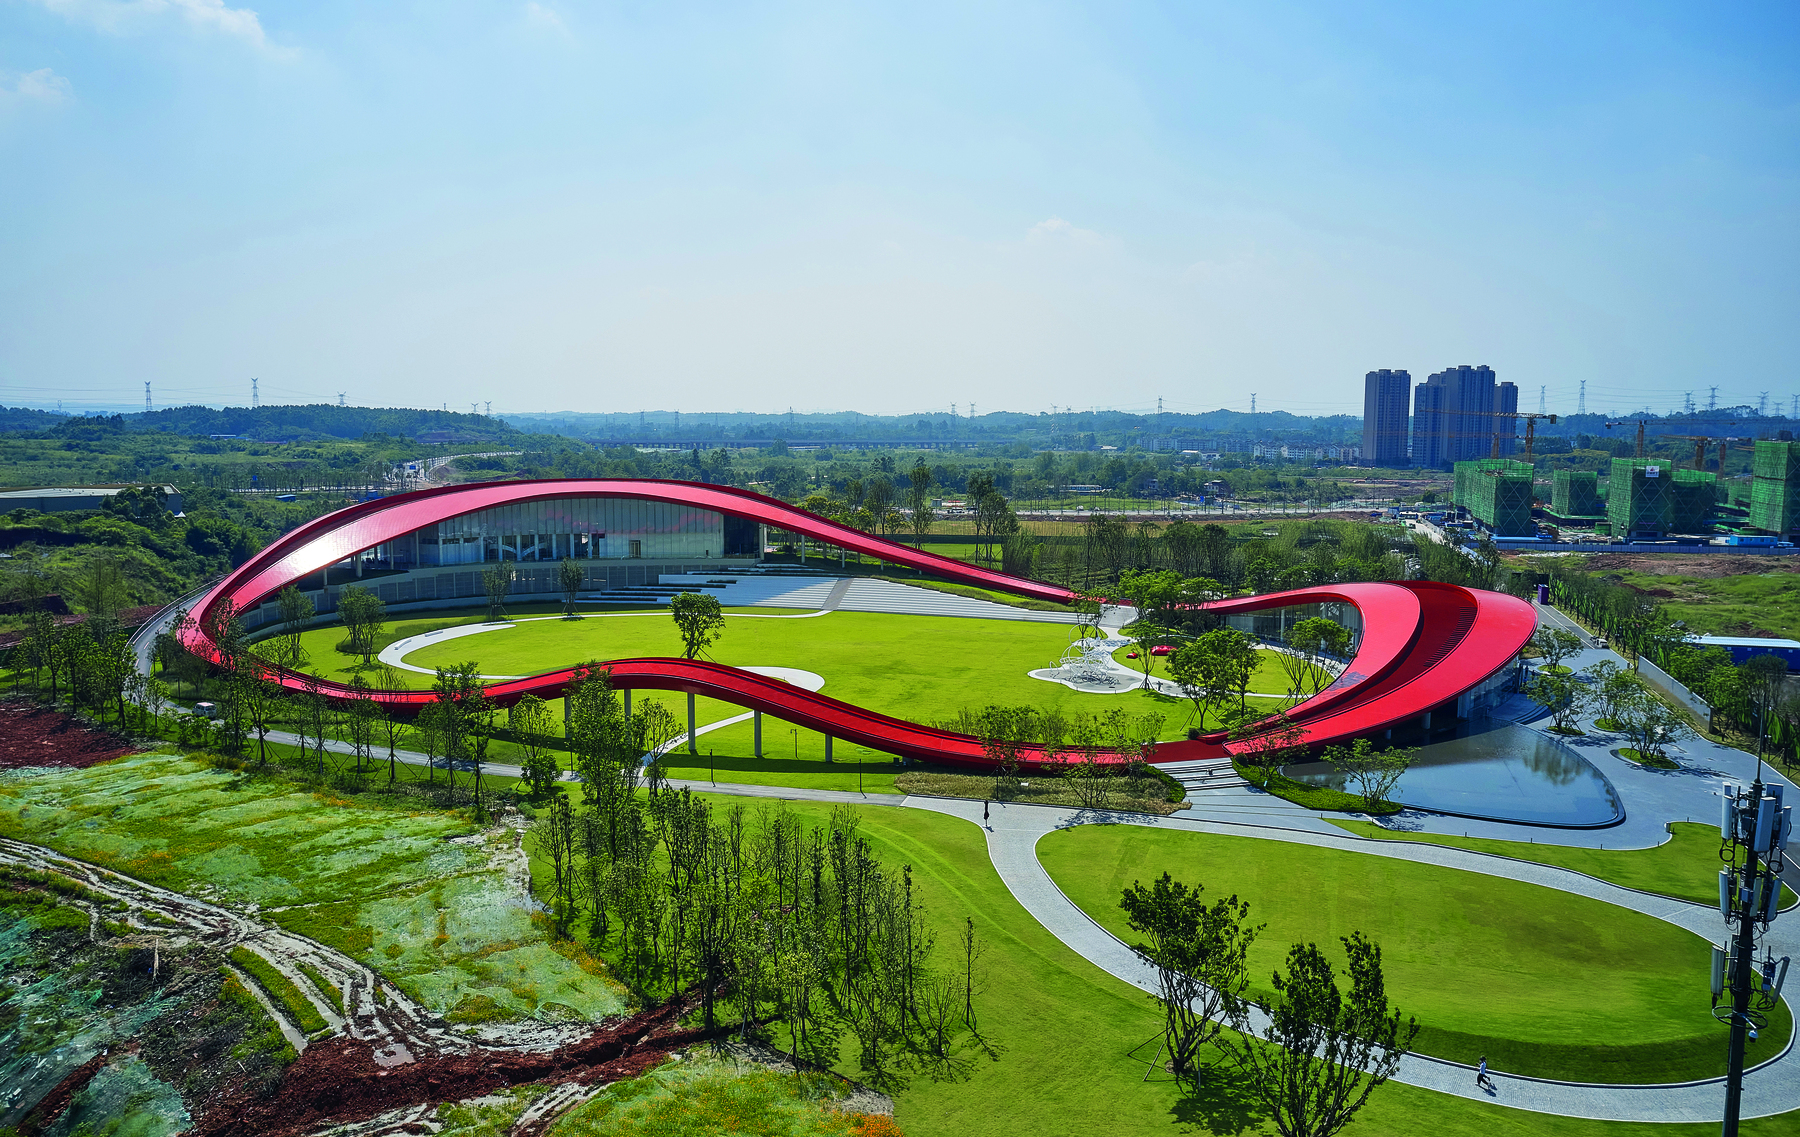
(922, 668)
(1542, 982)
(1686, 866)
(1061, 1029)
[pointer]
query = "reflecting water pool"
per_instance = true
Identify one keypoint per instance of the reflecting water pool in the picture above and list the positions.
(1508, 773)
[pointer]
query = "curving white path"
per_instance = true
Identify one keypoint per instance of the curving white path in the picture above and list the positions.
(395, 653)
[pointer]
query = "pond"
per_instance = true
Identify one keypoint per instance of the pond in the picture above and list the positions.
(1506, 773)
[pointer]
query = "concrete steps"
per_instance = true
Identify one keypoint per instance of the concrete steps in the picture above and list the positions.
(1203, 775)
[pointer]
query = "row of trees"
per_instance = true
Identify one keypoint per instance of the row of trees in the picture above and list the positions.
(1098, 754)
(764, 917)
(1320, 1050)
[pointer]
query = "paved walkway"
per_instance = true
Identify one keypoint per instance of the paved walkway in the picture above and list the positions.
(1014, 831)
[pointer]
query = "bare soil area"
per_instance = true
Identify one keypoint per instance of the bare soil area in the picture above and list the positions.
(35, 735)
(1690, 564)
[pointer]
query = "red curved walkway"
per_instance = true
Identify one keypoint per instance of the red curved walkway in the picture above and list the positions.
(1423, 643)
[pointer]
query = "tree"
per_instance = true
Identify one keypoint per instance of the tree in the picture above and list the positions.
(1155, 595)
(919, 501)
(1649, 724)
(698, 618)
(1563, 694)
(1373, 772)
(363, 613)
(1266, 741)
(363, 716)
(1213, 667)
(1610, 686)
(296, 613)
(263, 701)
(1310, 642)
(570, 576)
(1553, 645)
(1765, 681)
(101, 589)
(496, 582)
(1200, 955)
(531, 724)
(1321, 1055)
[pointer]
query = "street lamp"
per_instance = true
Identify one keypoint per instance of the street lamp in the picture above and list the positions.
(1754, 828)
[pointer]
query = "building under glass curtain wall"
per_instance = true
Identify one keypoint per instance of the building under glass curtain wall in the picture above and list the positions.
(586, 528)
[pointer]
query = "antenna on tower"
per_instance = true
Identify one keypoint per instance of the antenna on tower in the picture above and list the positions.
(1581, 399)
(146, 396)
(1712, 397)
(255, 396)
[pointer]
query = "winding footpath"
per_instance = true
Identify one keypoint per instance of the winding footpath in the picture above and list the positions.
(1013, 831)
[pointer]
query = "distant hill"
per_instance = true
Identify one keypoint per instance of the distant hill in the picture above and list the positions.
(319, 420)
(23, 418)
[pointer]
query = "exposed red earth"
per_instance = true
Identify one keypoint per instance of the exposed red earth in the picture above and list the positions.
(34, 735)
(339, 1081)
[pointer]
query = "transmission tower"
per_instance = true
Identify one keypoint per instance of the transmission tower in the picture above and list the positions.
(146, 396)
(1253, 403)
(1581, 399)
(340, 398)
(1794, 407)
(1540, 399)
(489, 407)
(1687, 402)
(1712, 397)
(1762, 404)
(255, 396)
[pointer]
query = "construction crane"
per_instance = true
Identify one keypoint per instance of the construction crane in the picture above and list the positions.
(1640, 434)
(1701, 442)
(1531, 421)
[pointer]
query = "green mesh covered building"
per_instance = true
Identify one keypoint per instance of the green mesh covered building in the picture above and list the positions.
(1497, 492)
(1650, 497)
(1575, 496)
(1775, 487)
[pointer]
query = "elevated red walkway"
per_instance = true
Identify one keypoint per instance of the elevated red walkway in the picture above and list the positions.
(1423, 643)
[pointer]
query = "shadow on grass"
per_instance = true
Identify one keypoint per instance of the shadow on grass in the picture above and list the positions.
(1223, 1103)
(727, 762)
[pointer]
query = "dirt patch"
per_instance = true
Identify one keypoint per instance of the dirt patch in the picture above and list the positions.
(341, 1081)
(1689, 564)
(34, 735)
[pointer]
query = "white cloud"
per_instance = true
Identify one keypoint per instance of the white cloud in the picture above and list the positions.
(545, 17)
(126, 16)
(40, 86)
(1056, 229)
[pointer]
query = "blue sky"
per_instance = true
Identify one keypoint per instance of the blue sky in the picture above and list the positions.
(893, 208)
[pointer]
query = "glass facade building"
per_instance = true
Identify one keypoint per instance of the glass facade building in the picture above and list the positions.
(586, 528)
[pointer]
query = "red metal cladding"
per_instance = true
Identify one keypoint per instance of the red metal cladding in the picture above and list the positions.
(1423, 644)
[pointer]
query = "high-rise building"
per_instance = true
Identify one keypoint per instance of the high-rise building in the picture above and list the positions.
(1385, 396)
(1454, 416)
(1504, 427)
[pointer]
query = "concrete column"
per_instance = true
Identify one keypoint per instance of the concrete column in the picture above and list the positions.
(1426, 722)
(758, 721)
(566, 695)
(628, 702)
(828, 748)
(692, 749)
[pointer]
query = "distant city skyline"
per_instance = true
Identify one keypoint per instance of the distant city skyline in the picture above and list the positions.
(571, 207)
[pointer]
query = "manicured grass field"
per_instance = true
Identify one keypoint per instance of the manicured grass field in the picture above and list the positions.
(923, 668)
(1543, 982)
(1061, 1029)
(1685, 867)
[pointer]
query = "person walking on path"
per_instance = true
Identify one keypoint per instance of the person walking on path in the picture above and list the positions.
(1481, 1076)
(984, 812)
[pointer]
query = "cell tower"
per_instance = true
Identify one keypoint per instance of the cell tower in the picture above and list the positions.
(146, 396)
(255, 396)
(1712, 397)
(1581, 399)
